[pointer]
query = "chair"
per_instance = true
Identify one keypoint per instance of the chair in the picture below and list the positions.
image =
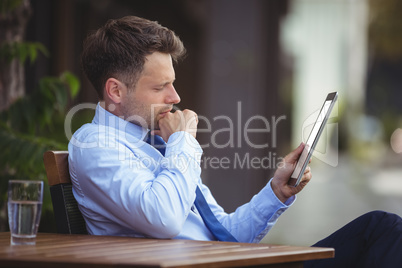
(69, 219)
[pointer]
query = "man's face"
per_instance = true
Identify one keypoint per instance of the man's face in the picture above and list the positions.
(154, 94)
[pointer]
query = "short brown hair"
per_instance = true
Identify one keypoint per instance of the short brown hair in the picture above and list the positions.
(118, 49)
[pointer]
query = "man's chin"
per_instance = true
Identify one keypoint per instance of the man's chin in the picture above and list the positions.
(154, 126)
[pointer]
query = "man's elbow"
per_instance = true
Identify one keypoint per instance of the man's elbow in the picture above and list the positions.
(166, 229)
(161, 221)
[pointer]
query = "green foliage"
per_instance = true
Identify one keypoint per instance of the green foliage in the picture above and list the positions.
(21, 51)
(9, 5)
(34, 114)
(33, 124)
(26, 130)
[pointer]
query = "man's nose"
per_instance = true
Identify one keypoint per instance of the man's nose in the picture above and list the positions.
(172, 96)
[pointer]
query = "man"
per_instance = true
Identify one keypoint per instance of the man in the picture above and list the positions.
(130, 182)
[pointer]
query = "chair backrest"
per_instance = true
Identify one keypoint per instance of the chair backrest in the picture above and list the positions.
(69, 219)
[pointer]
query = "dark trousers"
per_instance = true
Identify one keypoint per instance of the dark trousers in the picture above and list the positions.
(372, 240)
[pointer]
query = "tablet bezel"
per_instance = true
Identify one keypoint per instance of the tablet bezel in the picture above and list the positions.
(296, 177)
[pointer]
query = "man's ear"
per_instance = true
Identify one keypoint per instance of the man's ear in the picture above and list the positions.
(114, 90)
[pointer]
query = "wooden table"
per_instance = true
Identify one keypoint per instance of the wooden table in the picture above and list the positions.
(59, 250)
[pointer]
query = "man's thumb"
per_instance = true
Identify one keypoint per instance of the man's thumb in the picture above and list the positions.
(295, 154)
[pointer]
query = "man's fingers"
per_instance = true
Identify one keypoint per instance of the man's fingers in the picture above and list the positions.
(294, 155)
(307, 175)
(185, 120)
(307, 170)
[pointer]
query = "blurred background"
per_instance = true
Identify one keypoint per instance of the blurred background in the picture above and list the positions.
(247, 60)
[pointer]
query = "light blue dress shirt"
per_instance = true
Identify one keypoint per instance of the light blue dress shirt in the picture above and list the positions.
(125, 187)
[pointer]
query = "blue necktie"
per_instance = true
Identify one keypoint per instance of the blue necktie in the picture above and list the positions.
(201, 204)
(157, 142)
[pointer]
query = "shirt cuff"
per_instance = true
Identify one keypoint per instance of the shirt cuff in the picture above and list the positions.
(183, 141)
(268, 194)
(266, 200)
(288, 202)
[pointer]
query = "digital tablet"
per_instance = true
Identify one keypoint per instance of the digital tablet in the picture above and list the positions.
(313, 138)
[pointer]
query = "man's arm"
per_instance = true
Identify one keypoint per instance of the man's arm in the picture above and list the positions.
(253, 220)
(127, 190)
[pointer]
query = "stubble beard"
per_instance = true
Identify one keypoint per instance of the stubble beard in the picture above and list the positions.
(142, 115)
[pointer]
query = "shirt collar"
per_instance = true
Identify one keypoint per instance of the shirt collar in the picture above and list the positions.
(103, 117)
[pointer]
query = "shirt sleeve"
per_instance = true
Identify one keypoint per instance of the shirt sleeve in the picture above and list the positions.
(131, 184)
(138, 188)
(253, 220)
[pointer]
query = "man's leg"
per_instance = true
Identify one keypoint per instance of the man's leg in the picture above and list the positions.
(372, 240)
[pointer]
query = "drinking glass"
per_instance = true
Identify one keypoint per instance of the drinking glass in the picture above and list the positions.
(24, 210)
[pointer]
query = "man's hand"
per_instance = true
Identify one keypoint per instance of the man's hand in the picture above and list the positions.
(282, 175)
(185, 120)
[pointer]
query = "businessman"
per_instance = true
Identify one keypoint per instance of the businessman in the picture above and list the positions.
(136, 167)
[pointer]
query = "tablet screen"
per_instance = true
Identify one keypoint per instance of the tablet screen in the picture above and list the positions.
(313, 139)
